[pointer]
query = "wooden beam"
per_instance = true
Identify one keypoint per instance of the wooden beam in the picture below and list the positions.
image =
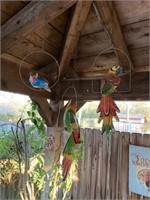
(79, 16)
(44, 109)
(30, 18)
(110, 20)
(11, 81)
(80, 104)
(90, 91)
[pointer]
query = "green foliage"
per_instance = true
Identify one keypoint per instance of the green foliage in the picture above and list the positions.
(38, 174)
(22, 149)
(36, 119)
(89, 110)
(6, 144)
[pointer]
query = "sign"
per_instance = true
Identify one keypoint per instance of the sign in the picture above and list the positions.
(139, 170)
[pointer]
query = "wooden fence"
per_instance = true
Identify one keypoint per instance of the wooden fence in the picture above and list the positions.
(104, 173)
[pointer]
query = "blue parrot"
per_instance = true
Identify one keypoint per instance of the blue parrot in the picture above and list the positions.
(39, 82)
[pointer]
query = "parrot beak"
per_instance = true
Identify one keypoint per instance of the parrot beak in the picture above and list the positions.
(119, 70)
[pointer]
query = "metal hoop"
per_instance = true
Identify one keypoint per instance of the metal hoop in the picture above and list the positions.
(39, 51)
(125, 91)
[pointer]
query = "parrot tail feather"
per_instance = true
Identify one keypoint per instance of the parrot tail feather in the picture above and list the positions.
(107, 109)
(66, 167)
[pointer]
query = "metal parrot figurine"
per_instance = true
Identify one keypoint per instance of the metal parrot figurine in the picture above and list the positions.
(39, 82)
(72, 127)
(107, 107)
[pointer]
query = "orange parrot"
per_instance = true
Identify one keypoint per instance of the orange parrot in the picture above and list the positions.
(107, 107)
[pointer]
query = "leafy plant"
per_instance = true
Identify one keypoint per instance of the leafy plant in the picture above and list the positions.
(21, 153)
(21, 158)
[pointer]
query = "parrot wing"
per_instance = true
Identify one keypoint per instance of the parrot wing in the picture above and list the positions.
(67, 120)
(107, 89)
(70, 120)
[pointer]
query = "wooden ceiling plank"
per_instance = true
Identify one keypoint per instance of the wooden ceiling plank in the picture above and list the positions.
(103, 62)
(4, 17)
(109, 18)
(12, 7)
(91, 22)
(140, 57)
(44, 109)
(30, 18)
(137, 34)
(78, 19)
(50, 35)
(130, 12)
(93, 44)
(60, 23)
(29, 46)
(16, 60)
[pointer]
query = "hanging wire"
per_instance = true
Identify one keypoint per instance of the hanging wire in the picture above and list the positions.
(123, 91)
(39, 51)
(130, 64)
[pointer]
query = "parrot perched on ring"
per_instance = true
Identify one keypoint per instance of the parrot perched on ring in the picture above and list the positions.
(38, 82)
(107, 106)
(73, 130)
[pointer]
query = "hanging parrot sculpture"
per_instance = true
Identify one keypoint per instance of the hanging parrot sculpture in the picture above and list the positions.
(107, 107)
(72, 127)
(39, 82)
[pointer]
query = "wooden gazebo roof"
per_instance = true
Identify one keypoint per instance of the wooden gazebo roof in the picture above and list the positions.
(75, 32)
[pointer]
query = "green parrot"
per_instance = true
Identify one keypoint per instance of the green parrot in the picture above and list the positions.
(72, 127)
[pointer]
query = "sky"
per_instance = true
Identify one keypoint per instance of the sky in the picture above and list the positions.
(7, 97)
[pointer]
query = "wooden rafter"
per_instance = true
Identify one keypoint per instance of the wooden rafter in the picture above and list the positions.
(77, 22)
(80, 104)
(111, 24)
(44, 109)
(30, 18)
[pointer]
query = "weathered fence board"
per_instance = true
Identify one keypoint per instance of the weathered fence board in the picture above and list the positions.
(136, 139)
(123, 185)
(94, 182)
(113, 169)
(88, 164)
(97, 193)
(146, 143)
